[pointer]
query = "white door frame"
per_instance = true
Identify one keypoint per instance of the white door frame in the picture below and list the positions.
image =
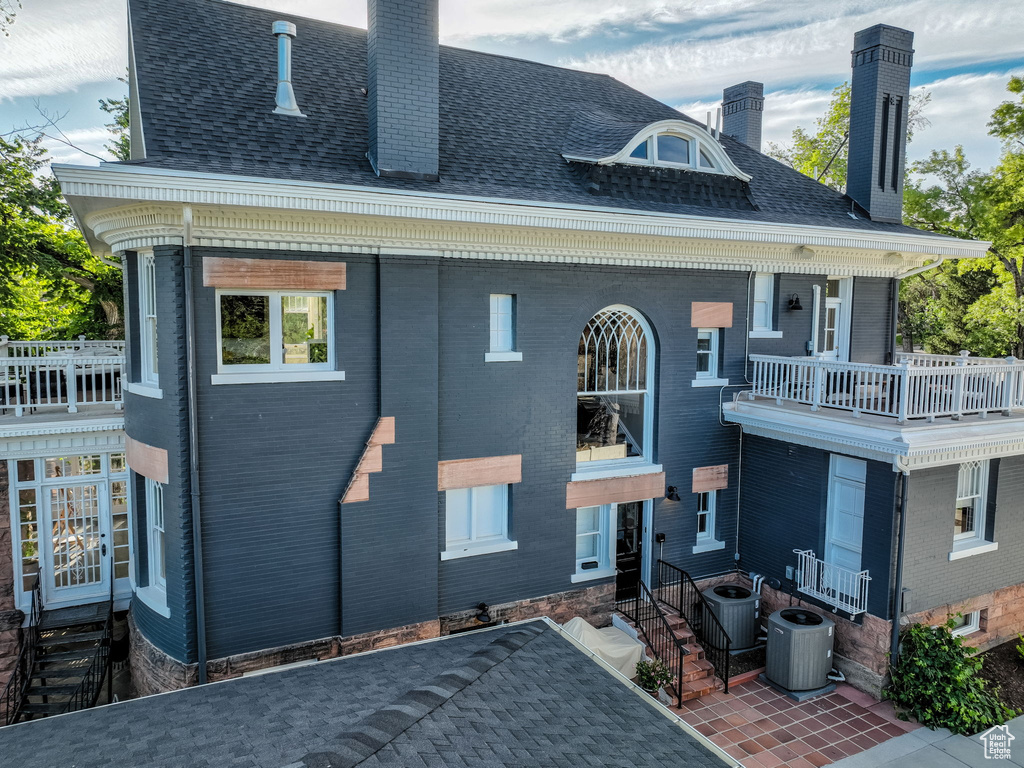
(54, 596)
(843, 304)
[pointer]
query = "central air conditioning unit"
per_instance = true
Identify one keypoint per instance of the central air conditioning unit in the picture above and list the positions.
(737, 610)
(799, 652)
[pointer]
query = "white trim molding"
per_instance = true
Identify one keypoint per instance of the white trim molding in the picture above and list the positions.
(129, 207)
(503, 357)
(915, 445)
(973, 548)
(276, 377)
(144, 390)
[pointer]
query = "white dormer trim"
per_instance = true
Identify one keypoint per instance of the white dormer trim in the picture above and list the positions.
(700, 139)
(136, 136)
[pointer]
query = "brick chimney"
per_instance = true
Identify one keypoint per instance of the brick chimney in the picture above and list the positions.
(742, 107)
(879, 104)
(401, 66)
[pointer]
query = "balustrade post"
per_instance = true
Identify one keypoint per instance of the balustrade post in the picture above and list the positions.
(958, 386)
(902, 406)
(71, 387)
(818, 387)
(1011, 385)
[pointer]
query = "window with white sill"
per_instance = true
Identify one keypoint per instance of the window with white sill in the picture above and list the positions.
(708, 358)
(503, 329)
(615, 383)
(763, 306)
(274, 331)
(966, 624)
(476, 521)
(707, 507)
(593, 542)
(970, 515)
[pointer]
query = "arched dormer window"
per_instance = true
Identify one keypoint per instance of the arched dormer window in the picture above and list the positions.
(615, 384)
(677, 144)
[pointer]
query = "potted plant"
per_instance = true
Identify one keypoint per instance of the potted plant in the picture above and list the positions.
(652, 675)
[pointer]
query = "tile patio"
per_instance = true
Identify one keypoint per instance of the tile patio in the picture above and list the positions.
(762, 728)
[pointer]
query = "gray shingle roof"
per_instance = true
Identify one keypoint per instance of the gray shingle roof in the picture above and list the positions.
(207, 74)
(516, 696)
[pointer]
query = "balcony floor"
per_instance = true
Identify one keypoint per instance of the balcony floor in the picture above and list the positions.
(916, 443)
(56, 420)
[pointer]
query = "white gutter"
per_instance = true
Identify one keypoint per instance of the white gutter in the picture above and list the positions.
(132, 183)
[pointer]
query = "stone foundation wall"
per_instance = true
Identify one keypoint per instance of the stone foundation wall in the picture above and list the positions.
(153, 671)
(1002, 616)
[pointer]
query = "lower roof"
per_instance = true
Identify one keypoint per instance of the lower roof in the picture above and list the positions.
(517, 695)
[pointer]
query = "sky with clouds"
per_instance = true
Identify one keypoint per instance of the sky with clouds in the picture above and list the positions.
(63, 55)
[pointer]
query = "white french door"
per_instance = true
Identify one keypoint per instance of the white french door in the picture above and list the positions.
(74, 539)
(838, 294)
(844, 526)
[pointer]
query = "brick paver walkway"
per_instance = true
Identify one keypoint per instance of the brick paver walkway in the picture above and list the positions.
(762, 728)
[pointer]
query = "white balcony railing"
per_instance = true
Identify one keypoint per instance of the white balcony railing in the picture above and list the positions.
(49, 376)
(839, 587)
(905, 391)
(926, 360)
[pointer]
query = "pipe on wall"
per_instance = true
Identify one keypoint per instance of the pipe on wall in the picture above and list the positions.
(897, 597)
(193, 452)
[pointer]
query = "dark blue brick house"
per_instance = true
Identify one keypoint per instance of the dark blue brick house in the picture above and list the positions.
(414, 328)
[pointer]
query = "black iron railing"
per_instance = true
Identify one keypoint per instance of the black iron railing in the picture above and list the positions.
(88, 691)
(13, 696)
(677, 590)
(643, 610)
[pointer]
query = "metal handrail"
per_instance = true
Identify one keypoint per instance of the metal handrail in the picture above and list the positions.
(643, 610)
(678, 591)
(13, 696)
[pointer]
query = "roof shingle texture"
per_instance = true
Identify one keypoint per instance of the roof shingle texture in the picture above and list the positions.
(207, 77)
(517, 696)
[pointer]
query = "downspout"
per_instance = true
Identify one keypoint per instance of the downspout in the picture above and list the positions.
(193, 438)
(897, 599)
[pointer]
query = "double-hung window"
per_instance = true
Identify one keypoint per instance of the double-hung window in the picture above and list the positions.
(593, 543)
(502, 329)
(147, 320)
(476, 521)
(707, 503)
(969, 518)
(154, 593)
(708, 364)
(279, 334)
(763, 307)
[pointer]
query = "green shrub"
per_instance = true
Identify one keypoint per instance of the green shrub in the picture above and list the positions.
(652, 675)
(937, 680)
(1020, 646)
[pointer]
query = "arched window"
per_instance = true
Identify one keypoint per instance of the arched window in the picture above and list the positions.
(615, 380)
(677, 144)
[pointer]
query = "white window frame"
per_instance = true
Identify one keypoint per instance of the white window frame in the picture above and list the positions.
(632, 465)
(605, 548)
(763, 297)
(502, 346)
(700, 141)
(148, 364)
(154, 594)
(974, 542)
(712, 376)
(456, 548)
(706, 541)
(277, 370)
(972, 624)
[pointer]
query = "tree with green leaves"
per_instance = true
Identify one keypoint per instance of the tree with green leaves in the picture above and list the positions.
(51, 286)
(821, 153)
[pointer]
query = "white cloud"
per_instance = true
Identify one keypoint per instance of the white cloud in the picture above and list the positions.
(948, 33)
(57, 45)
(86, 144)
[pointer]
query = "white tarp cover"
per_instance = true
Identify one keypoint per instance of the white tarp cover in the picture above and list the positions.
(611, 644)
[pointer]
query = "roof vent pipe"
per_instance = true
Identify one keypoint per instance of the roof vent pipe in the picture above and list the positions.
(286, 104)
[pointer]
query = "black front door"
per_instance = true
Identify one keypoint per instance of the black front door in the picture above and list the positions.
(628, 543)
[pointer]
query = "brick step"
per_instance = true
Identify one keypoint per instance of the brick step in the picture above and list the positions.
(694, 651)
(697, 670)
(697, 688)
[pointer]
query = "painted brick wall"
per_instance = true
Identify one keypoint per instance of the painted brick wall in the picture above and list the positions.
(390, 546)
(933, 579)
(402, 74)
(275, 460)
(164, 423)
(784, 503)
(871, 327)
